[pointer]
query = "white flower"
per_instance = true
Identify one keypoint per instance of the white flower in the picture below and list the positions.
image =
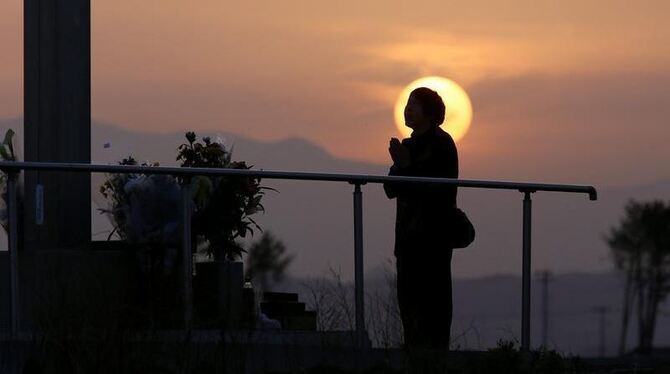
(221, 140)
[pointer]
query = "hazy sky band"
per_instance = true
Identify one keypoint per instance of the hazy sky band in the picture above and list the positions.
(560, 91)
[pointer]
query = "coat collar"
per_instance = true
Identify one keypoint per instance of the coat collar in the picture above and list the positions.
(426, 135)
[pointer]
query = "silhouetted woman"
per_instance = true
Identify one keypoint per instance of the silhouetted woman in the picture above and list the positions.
(423, 260)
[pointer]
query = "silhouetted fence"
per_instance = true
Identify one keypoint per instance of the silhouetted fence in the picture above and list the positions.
(12, 169)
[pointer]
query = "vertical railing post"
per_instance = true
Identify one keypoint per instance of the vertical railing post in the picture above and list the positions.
(13, 244)
(358, 266)
(187, 266)
(525, 281)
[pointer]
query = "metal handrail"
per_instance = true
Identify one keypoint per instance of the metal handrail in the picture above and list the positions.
(9, 166)
(13, 168)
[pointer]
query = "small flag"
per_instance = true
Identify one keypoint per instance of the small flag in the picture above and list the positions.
(107, 145)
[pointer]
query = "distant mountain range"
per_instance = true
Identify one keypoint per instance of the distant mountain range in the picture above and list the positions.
(315, 219)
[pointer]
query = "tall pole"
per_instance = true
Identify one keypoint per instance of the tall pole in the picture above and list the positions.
(13, 254)
(57, 116)
(525, 273)
(187, 257)
(358, 266)
(602, 312)
(544, 278)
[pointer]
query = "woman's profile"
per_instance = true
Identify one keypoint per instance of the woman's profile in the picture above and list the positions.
(423, 259)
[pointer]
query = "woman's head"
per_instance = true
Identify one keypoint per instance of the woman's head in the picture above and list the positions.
(424, 108)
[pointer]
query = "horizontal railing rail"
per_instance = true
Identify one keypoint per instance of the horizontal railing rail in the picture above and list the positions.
(13, 168)
(9, 166)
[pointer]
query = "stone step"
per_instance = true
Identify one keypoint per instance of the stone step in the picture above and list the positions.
(286, 297)
(274, 310)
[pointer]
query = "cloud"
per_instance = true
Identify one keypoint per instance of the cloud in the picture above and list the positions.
(604, 128)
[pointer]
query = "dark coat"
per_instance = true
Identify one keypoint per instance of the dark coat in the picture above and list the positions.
(421, 209)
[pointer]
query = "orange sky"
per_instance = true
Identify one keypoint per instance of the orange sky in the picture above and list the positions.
(570, 91)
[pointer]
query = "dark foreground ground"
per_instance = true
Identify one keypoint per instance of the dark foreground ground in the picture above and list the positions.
(251, 353)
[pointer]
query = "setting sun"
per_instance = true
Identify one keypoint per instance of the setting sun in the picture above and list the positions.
(459, 108)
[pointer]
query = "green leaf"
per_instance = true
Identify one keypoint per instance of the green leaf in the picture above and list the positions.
(201, 189)
(190, 136)
(4, 153)
(9, 136)
(7, 149)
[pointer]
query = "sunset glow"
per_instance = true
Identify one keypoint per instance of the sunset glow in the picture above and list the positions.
(553, 76)
(458, 106)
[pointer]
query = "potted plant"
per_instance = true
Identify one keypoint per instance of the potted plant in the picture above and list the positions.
(223, 209)
(145, 210)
